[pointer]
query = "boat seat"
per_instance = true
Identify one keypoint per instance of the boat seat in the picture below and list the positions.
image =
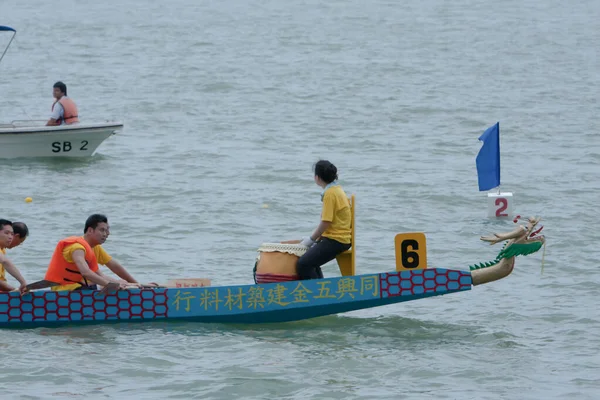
(346, 260)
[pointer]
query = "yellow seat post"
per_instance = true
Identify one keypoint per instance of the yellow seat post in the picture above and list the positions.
(346, 260)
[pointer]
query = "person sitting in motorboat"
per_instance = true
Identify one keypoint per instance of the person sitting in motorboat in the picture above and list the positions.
(21, 231)
(64, 110)
(6, 238)
(333, 235)
(74, 264)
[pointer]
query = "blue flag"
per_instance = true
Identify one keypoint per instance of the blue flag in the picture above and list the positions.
(488, 159)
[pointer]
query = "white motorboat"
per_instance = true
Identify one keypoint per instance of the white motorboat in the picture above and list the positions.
(27, 139)
(35, 139)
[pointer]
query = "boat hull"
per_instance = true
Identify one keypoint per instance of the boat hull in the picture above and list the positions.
(77, 140)
(240, 304)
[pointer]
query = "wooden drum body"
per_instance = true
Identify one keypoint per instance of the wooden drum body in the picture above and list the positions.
(276, 262)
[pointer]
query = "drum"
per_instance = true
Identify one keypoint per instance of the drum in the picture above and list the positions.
(276, 262)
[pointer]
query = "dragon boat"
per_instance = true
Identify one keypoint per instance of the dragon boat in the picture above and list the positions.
(277, 301)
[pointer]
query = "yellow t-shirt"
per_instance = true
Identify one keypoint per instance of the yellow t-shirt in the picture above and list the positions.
(2, 271)
(101, 255)
(336, 209)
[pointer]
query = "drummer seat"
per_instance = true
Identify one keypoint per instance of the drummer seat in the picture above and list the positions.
(346, 260)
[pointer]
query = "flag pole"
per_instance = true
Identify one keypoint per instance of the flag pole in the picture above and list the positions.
(7, 28)
(498, 123)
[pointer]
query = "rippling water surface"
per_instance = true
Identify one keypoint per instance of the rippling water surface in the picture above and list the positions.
(227, 105)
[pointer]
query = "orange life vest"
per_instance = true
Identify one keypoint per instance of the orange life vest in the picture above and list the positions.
(70, 114)
(63, 272)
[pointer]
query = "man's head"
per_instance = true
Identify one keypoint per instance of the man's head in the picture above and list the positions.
(6, 233)
(59, 90)
(21, 232)
(96, 229)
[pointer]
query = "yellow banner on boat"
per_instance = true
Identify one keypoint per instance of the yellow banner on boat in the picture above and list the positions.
(411, 251)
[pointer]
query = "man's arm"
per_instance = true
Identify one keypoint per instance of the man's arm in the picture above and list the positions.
(321, 228)
(5, 287)
(56, 115)
(110, 278)
(86, 272)
(327, 213)
(120, 271)
(11, 269)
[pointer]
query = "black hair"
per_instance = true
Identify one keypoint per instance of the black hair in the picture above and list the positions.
(93, 221)
(326, 171)
(4, 222)
(61, 86)
(20, 229)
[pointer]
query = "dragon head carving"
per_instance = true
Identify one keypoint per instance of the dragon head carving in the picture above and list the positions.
(522, 234)
(524, 240)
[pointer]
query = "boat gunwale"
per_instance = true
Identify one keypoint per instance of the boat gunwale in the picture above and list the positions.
(63, 129)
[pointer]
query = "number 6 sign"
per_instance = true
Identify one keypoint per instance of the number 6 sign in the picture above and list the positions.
(411, 251)
(500, 205)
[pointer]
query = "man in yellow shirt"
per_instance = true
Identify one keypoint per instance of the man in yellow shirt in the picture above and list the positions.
(6, 238)
(333, 235)
(72, 264)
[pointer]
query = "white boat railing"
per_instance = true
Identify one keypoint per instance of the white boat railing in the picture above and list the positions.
(24, 123)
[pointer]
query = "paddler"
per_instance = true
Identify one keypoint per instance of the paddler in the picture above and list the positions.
(21, 232)
(333, 235)
(6, 238)
(74, 263)
(64, 110)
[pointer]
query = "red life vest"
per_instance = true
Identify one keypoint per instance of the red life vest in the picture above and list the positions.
(70, 114)
(63, 272)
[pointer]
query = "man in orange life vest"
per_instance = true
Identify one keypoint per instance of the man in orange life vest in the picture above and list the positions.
(6, 238)
(64, 110)
(74, 263)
